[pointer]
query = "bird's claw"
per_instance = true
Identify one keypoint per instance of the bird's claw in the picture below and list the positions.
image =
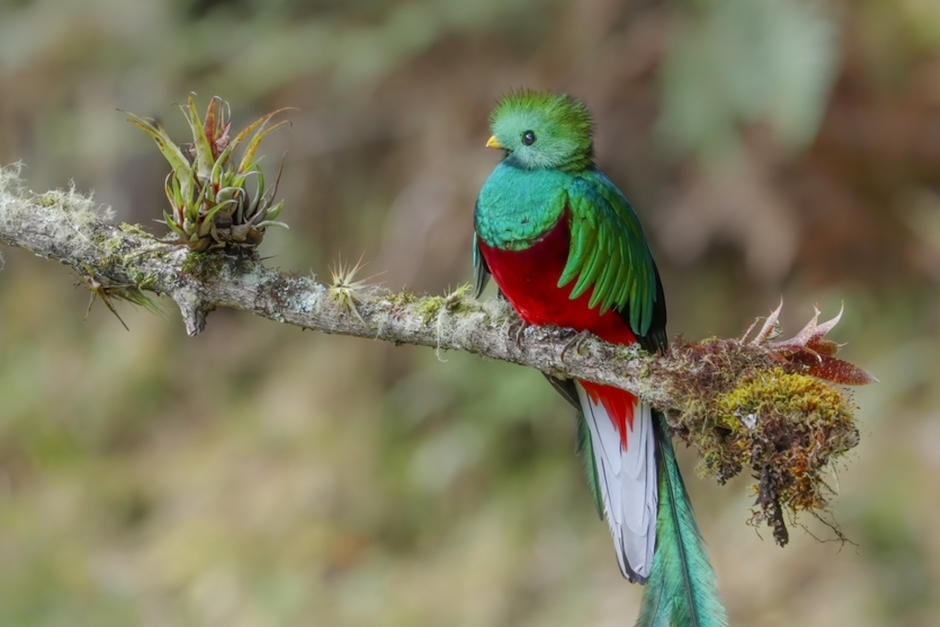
(517, 331)
(575, 342)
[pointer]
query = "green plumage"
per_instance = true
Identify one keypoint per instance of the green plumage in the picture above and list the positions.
(681, 591)
(609, 251)
(562, 124)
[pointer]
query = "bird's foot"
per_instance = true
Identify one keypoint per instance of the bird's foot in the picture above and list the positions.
(575, 342)
(517, 331)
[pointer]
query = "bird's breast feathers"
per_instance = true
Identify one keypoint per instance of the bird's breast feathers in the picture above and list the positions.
(516, 207)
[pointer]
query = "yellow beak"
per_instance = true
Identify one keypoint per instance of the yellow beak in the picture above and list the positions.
(492, 142)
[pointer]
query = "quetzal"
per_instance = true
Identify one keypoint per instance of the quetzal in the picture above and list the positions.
(566, 248)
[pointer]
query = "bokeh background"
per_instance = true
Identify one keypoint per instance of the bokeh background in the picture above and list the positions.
(261, 475)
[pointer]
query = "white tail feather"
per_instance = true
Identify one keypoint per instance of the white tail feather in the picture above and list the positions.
(628, 484)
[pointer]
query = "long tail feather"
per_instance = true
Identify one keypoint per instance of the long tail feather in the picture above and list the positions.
(681, 591)
(622, 444)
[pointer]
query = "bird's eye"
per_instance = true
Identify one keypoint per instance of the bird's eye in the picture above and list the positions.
(528, 138)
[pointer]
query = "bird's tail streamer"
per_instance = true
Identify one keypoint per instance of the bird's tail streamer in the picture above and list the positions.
(682, 589)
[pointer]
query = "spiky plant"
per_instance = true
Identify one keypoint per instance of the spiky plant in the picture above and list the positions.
(215, 200)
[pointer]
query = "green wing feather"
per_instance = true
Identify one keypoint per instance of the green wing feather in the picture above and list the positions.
(609, 252)
(681, 590)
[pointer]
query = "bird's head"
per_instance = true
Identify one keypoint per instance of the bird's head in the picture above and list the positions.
(540, 130)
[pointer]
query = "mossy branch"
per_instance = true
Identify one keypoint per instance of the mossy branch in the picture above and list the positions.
(742, 404)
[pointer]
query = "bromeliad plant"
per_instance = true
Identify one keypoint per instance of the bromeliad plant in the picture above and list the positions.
(216, 201)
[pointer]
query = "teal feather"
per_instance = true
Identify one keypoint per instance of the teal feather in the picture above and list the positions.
(681, 591)
(519, 206)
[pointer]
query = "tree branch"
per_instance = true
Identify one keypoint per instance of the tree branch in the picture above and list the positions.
(68, 227)
(757, 404)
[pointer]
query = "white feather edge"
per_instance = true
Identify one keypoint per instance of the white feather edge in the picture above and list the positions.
(628, 484)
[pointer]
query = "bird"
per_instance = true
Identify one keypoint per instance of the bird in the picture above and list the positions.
(566, 248)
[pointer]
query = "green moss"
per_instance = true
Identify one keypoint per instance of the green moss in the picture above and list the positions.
(401, 298)
(146, 282)
(113, 244)
(460, 302)
(203, 265)
(800, 397)
(192, 263)
(457, 302)
(461, 292)
(464, 307)
(134, 229)
(429, 307)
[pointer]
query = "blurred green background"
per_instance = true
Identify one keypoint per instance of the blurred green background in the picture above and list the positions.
(261, 475)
